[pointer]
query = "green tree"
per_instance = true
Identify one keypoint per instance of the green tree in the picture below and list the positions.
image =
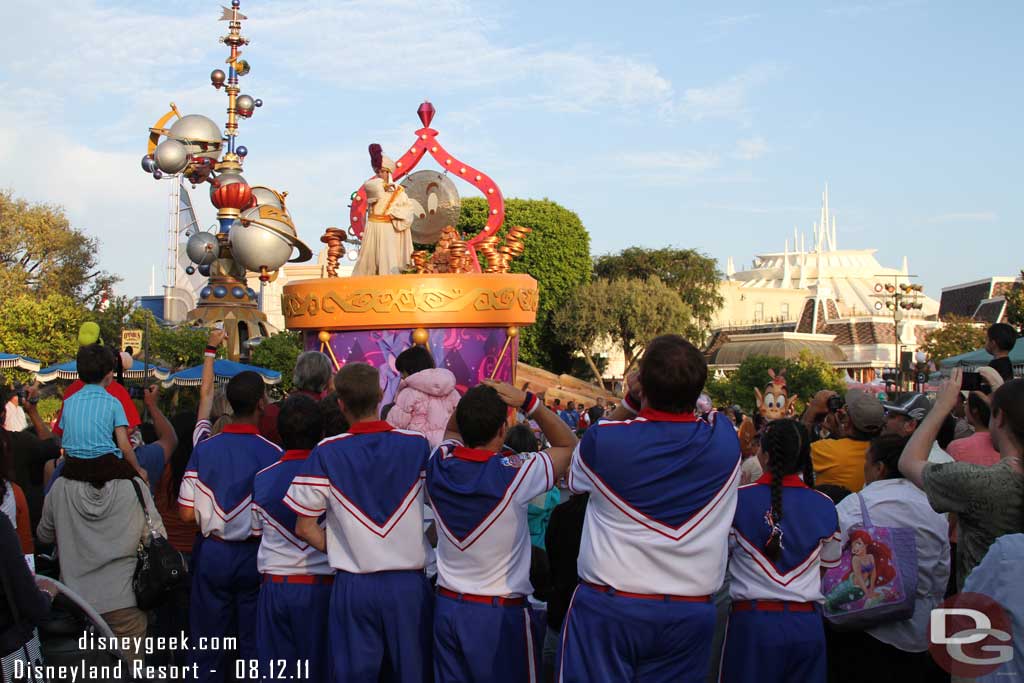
(1015, 305)
(111, 319)
(695, 276)
(586, 323)
(279, 352)
(43, 328)
(174, 347)
(41, 253)
(958, 335)
(805, 376)
(557, 254)
(179, 347)
(640, 310)
(627, 312)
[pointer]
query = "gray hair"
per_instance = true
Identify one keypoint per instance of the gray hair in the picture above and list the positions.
(312, 371)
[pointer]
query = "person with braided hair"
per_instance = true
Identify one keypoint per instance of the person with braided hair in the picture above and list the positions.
(783, 534)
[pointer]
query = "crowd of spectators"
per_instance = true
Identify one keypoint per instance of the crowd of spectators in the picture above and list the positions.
(598, 535)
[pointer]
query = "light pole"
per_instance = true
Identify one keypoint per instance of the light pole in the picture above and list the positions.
(898, 297)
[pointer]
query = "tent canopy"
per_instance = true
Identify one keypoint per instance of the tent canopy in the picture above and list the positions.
(980, 357)
(69, 371)
(222, 370)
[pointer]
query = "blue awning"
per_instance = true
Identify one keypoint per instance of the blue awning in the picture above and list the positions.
(69, 370)
(13, 360)
(222, 370)
(981, 357)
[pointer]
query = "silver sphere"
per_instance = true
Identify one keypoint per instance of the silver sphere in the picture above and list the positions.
(255, 247)
(194, 129)
(245, 104)
(264, 196)
(225, 178)
(217, 78)
(202, 248)
(148, 164)
(190, 270)
(171, 156)
(258, 103)
(158, 174)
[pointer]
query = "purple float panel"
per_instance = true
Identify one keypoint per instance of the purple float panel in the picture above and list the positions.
(469, 352)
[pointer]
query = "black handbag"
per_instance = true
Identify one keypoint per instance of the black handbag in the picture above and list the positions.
(159, 568)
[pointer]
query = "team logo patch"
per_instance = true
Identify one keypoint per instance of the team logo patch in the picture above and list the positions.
(516, 460)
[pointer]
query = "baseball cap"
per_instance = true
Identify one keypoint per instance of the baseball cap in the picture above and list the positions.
(914, 406)
(865, 411)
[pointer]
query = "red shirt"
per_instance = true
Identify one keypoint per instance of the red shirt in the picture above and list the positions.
(268, 421)
(115, 390)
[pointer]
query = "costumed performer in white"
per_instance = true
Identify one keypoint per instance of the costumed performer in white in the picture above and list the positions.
(387, 240)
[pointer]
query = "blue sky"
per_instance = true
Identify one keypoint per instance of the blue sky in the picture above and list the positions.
(705, 125)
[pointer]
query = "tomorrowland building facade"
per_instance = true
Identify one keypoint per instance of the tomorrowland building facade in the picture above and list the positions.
(840, 304)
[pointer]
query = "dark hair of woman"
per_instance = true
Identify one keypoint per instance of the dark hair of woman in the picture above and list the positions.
(979, 408)
(5, 461)
(1007, 403)
(788, 449)
(886, 450)
(521, 439)
(184, 424)
(414, 359)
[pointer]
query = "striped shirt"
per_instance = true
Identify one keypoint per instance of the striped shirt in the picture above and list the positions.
(88, 420)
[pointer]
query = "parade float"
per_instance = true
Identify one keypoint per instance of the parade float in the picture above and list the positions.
(454, 294)
(255, 232)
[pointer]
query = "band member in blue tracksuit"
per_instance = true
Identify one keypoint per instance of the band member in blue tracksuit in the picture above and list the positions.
(216, 493)
(484, 629)
(783, 534)
(369, 481)
(291, 631)
(655, 537)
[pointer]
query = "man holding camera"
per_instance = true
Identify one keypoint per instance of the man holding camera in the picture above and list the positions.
(860, 416)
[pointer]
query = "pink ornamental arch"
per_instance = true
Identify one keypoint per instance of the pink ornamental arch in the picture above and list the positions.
(426, 143)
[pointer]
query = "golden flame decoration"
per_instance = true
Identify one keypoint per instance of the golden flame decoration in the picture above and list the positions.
(452, 255)
(334, 238)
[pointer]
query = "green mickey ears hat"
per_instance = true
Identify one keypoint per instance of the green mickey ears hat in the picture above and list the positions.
(88, 333)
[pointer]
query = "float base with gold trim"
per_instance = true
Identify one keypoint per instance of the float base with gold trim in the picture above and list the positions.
(469, 321)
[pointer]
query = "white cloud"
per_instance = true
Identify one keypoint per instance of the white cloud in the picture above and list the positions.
(963, 217)
(869, 8)
(684, 161)
(90, 101)
(750, 149)
(728, 99)
(732, 20)
(766, 210)
(459, 46)
(104, 193)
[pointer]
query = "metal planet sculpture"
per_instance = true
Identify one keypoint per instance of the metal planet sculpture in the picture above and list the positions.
(202, 248)
(263, 239)
(171, 156)
(255, 231)
(199, 134)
